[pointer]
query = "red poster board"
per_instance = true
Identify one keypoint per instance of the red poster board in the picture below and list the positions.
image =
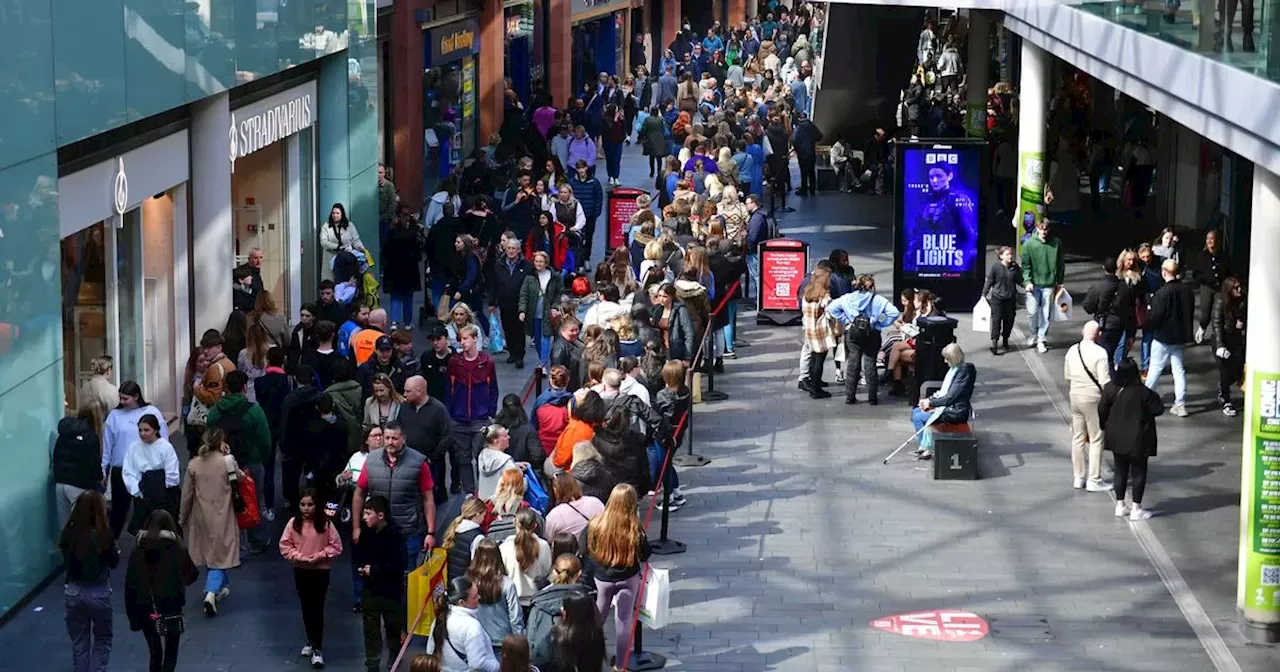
(783, 265)
(622, 205)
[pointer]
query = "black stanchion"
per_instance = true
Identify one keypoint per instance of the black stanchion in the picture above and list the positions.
(712, 394)
(689, 459)
(641, 660)
(663, 545)
(537, 376)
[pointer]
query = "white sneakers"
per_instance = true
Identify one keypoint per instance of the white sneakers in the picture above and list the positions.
(210, 605)
(1042, 347)
(1032, 340)
(1179, 410)
(1099, 486)
(317, 658)
(1136, 513)
(1079, 483)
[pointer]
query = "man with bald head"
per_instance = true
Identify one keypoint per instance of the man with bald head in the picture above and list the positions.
(427, 427)
(1087, 370)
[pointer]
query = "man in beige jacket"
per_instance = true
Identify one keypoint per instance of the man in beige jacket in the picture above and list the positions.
(1087, 369)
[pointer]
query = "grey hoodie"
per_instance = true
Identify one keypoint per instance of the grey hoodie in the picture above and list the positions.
(492, 464)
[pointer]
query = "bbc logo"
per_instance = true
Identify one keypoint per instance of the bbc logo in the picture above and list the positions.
(934, 157)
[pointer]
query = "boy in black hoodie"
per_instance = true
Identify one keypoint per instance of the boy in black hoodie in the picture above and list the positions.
(379, 558)
(673, 403)
(270, 390)
(296, 414)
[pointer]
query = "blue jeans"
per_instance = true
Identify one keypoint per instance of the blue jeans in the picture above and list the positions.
(215, 580)
(435, 288)
(541, 342)
(412, 551)
(89, 625)
(657, 455)
(1148, 337)
(919, 418)
(753, 273)
(1162, 354)
(1039, 303)
(730, 329)
(402, 308)
(1122, 349)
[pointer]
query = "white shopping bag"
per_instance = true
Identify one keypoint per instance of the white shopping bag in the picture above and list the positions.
(655, 608)
(1062, 306)
(982, 316)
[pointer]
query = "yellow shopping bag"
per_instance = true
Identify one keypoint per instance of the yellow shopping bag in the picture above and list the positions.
(425, 583)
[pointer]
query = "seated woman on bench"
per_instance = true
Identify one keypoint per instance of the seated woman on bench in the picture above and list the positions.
(953, 397)
(902, 354)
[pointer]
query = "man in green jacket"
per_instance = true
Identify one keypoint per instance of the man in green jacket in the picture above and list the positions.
(249, 437)
(1043, 268)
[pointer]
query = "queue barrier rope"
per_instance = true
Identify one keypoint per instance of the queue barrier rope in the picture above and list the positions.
(534, 381)
(666, 464)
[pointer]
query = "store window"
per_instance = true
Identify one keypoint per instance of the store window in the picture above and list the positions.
(449, 87)
(518, 56)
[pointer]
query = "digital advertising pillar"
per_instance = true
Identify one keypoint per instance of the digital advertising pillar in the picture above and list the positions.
(939, 241)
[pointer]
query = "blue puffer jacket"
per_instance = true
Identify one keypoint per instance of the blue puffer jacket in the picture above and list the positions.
(590, 194)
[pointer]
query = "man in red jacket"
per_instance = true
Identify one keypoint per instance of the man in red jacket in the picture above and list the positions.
(472, 399)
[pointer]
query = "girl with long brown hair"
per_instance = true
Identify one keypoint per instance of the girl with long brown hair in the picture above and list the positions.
(253, 358)
(572, 511)
(617, 549)
(527, 556)
(311, 543)
(90, 553)
(819, 330)
(499, 611)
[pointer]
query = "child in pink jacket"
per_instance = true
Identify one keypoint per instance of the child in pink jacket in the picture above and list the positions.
(311, 543)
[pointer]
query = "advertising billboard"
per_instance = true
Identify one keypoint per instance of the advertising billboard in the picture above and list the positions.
(939, 242)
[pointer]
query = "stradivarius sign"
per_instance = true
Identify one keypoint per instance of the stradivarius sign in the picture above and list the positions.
(268, 126)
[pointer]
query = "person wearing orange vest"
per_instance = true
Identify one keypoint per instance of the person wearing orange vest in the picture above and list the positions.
(364, 342)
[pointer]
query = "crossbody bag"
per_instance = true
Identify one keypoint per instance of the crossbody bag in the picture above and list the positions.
(1092, 377)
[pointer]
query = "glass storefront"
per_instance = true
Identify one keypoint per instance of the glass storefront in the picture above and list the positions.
(597, 47)
(518, 57)
(118, 300)
(260, 215)
(450, 90)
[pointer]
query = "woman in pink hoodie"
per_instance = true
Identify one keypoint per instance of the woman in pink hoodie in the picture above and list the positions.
(311, 543)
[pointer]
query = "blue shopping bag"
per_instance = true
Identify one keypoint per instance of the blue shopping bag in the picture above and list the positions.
(497, 340)
(534, 493)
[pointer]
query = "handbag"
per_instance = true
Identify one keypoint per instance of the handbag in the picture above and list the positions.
(655, 608)
(250, 517)
(199, 413)
(165, 625)
(1140, 308)
(497, 339)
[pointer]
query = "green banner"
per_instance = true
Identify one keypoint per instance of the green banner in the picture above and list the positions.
(1030, 193)
(1260, 479)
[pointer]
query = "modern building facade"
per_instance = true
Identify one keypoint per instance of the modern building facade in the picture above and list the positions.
(147, 149)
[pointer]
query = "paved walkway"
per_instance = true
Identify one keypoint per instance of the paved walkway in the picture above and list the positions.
(798, 536)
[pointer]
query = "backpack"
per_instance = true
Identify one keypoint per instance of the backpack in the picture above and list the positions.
(232, 424)
(860, 329)
(534, 494)
(502, 527)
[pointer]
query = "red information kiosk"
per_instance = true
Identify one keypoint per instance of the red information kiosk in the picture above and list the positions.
(622, 205)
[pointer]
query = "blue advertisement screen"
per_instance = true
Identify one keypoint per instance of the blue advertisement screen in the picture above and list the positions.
(940, 212)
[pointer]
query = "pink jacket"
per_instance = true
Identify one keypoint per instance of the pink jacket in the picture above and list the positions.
(295, 546)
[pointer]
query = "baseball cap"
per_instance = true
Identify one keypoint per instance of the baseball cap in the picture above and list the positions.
(383, 343)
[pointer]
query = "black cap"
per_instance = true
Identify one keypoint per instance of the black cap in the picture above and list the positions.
(436, 331)
(383, 343)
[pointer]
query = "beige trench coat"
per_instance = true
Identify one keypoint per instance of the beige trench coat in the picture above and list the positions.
(207, 518)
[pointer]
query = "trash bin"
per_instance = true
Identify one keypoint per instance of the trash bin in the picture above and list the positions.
(936, 332)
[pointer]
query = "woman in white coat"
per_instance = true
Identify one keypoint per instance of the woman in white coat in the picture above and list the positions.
(458, 640)
(336, 235)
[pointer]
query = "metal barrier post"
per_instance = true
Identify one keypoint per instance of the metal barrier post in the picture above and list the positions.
(712, 394)
(663, 545)
(689, 459)
(641, 660)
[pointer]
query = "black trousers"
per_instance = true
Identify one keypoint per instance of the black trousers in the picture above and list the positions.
(1229, 372)
(1110, 340)
(1204, 311)
(809, 175)
(1127, 467)
(859, 360)
(514, 330)
(121, 501)
(588, 235)
(312, 586)
(161, 651)
(380, 614)
(1002, 316)
(816, 360)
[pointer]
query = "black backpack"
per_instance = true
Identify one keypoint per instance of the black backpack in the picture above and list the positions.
(860, 329)
(232, 424)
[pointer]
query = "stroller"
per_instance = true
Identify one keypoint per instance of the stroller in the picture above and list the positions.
(356, 279)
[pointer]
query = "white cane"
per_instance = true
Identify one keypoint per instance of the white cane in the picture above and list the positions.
(932, 417)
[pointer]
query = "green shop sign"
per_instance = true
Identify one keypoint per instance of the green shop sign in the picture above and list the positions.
(1261, 480)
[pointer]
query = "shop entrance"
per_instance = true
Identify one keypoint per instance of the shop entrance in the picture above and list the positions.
(118, 301)
(260, 214)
